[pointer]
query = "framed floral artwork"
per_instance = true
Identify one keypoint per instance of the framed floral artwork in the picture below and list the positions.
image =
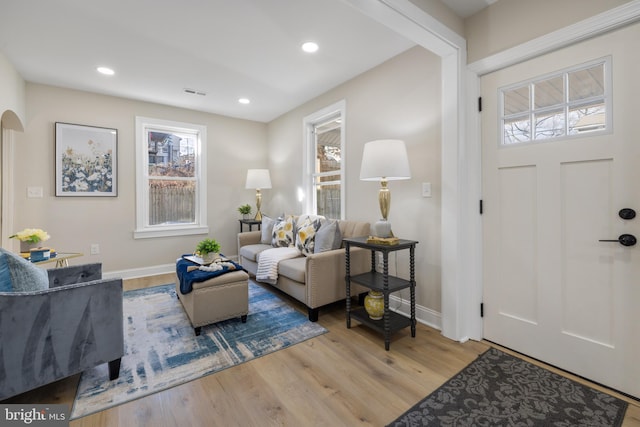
(86, 160)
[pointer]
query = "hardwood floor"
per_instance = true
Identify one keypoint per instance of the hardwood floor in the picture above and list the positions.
(342, 378)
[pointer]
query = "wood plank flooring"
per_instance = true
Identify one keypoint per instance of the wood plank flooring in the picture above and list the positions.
(342, 378)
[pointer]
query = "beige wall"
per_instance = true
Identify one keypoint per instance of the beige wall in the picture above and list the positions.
(12, 95)
(399, 99)
(76, 222)
(508, 23)
(442, 13)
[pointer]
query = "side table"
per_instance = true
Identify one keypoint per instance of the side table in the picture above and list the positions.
(391, 322)
(250, 223)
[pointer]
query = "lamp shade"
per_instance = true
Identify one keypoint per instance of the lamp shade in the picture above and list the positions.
(258, 178)
(385, 159)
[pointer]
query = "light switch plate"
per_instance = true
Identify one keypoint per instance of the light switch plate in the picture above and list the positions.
(426, 189)
(34, 192)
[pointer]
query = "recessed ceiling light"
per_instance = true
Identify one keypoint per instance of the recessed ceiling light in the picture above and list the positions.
(106, 71)
(310, 47)
(244, 101)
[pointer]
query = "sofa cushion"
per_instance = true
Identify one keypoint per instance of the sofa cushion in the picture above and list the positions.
(328, 237)
(306, 234)
(354, 228)
(283, 233)
(293, 268)
(267, 230)
(252, 252)
(25, 276)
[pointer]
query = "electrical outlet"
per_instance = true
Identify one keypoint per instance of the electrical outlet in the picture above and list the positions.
(95, 249)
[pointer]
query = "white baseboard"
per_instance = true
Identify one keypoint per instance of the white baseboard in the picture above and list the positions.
(135, 273)
(155, 270)
(424, 315)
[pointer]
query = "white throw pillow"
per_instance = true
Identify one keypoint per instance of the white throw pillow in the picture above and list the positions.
(267, 230)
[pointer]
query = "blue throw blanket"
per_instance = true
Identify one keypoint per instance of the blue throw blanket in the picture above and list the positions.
(187, 278)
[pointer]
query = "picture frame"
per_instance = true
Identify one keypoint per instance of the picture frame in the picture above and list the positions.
(86, 161)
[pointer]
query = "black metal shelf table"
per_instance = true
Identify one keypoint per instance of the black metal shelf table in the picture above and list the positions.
(250, 223)
(391, 322)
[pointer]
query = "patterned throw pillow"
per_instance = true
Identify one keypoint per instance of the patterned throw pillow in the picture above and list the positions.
(305, 235)
(283, 233)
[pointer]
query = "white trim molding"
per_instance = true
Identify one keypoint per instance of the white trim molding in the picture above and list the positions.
(407, 19)
(610, 20)
(8, 145)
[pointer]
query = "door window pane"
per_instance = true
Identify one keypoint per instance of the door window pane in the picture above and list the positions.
(549, 92)
(550, 124)
(587, 83)
(516, 101)
(517, 130)
(570, 103)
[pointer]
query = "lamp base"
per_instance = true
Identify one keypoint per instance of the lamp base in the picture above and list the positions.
(382, 228)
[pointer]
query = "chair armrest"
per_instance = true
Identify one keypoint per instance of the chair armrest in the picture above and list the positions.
(54, 333)
(249, 238)
(74, 274)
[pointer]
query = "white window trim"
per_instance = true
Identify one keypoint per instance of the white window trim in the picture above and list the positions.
(308, 167)
(143, 229)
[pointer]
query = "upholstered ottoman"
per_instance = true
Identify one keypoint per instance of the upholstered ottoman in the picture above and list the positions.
(220, 298)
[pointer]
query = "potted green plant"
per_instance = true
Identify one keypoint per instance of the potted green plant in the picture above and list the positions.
(245, 210)
(208, 250)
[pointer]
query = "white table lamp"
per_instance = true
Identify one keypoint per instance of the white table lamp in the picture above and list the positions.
(384, 160)
(258, 179)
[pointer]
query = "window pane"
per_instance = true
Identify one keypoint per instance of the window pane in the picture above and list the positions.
(329, 178)
(587, 118)
(517, 130)
(586, 83)
(171, 202)
(549, 92)
(171, 154)
(516, 100)
(550, 124)
(328, 155)
(328, 200)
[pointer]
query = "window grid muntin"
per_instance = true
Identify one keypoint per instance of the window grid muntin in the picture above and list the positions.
(567, 105)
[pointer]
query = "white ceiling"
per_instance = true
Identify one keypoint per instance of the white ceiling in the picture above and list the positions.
(225, 48)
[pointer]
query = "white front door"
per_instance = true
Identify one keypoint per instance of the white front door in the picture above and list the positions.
(552, 289)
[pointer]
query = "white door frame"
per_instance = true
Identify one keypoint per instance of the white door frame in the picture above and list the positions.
(461, 249)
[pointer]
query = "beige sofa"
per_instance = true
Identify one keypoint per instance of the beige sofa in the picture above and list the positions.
(316, 279)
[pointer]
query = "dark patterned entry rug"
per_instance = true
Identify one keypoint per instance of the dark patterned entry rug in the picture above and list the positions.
(498, 389)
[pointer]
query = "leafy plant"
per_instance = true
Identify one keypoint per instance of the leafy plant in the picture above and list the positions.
(207, 245)
(31, 235)
(244, 209)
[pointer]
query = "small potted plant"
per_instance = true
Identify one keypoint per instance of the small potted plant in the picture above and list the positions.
(30, 238)
(245, 210)
(208, 250)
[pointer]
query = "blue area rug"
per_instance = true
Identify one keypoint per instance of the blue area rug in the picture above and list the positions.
(161, 350)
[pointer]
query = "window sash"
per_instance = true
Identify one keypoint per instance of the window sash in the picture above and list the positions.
(197, 224)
